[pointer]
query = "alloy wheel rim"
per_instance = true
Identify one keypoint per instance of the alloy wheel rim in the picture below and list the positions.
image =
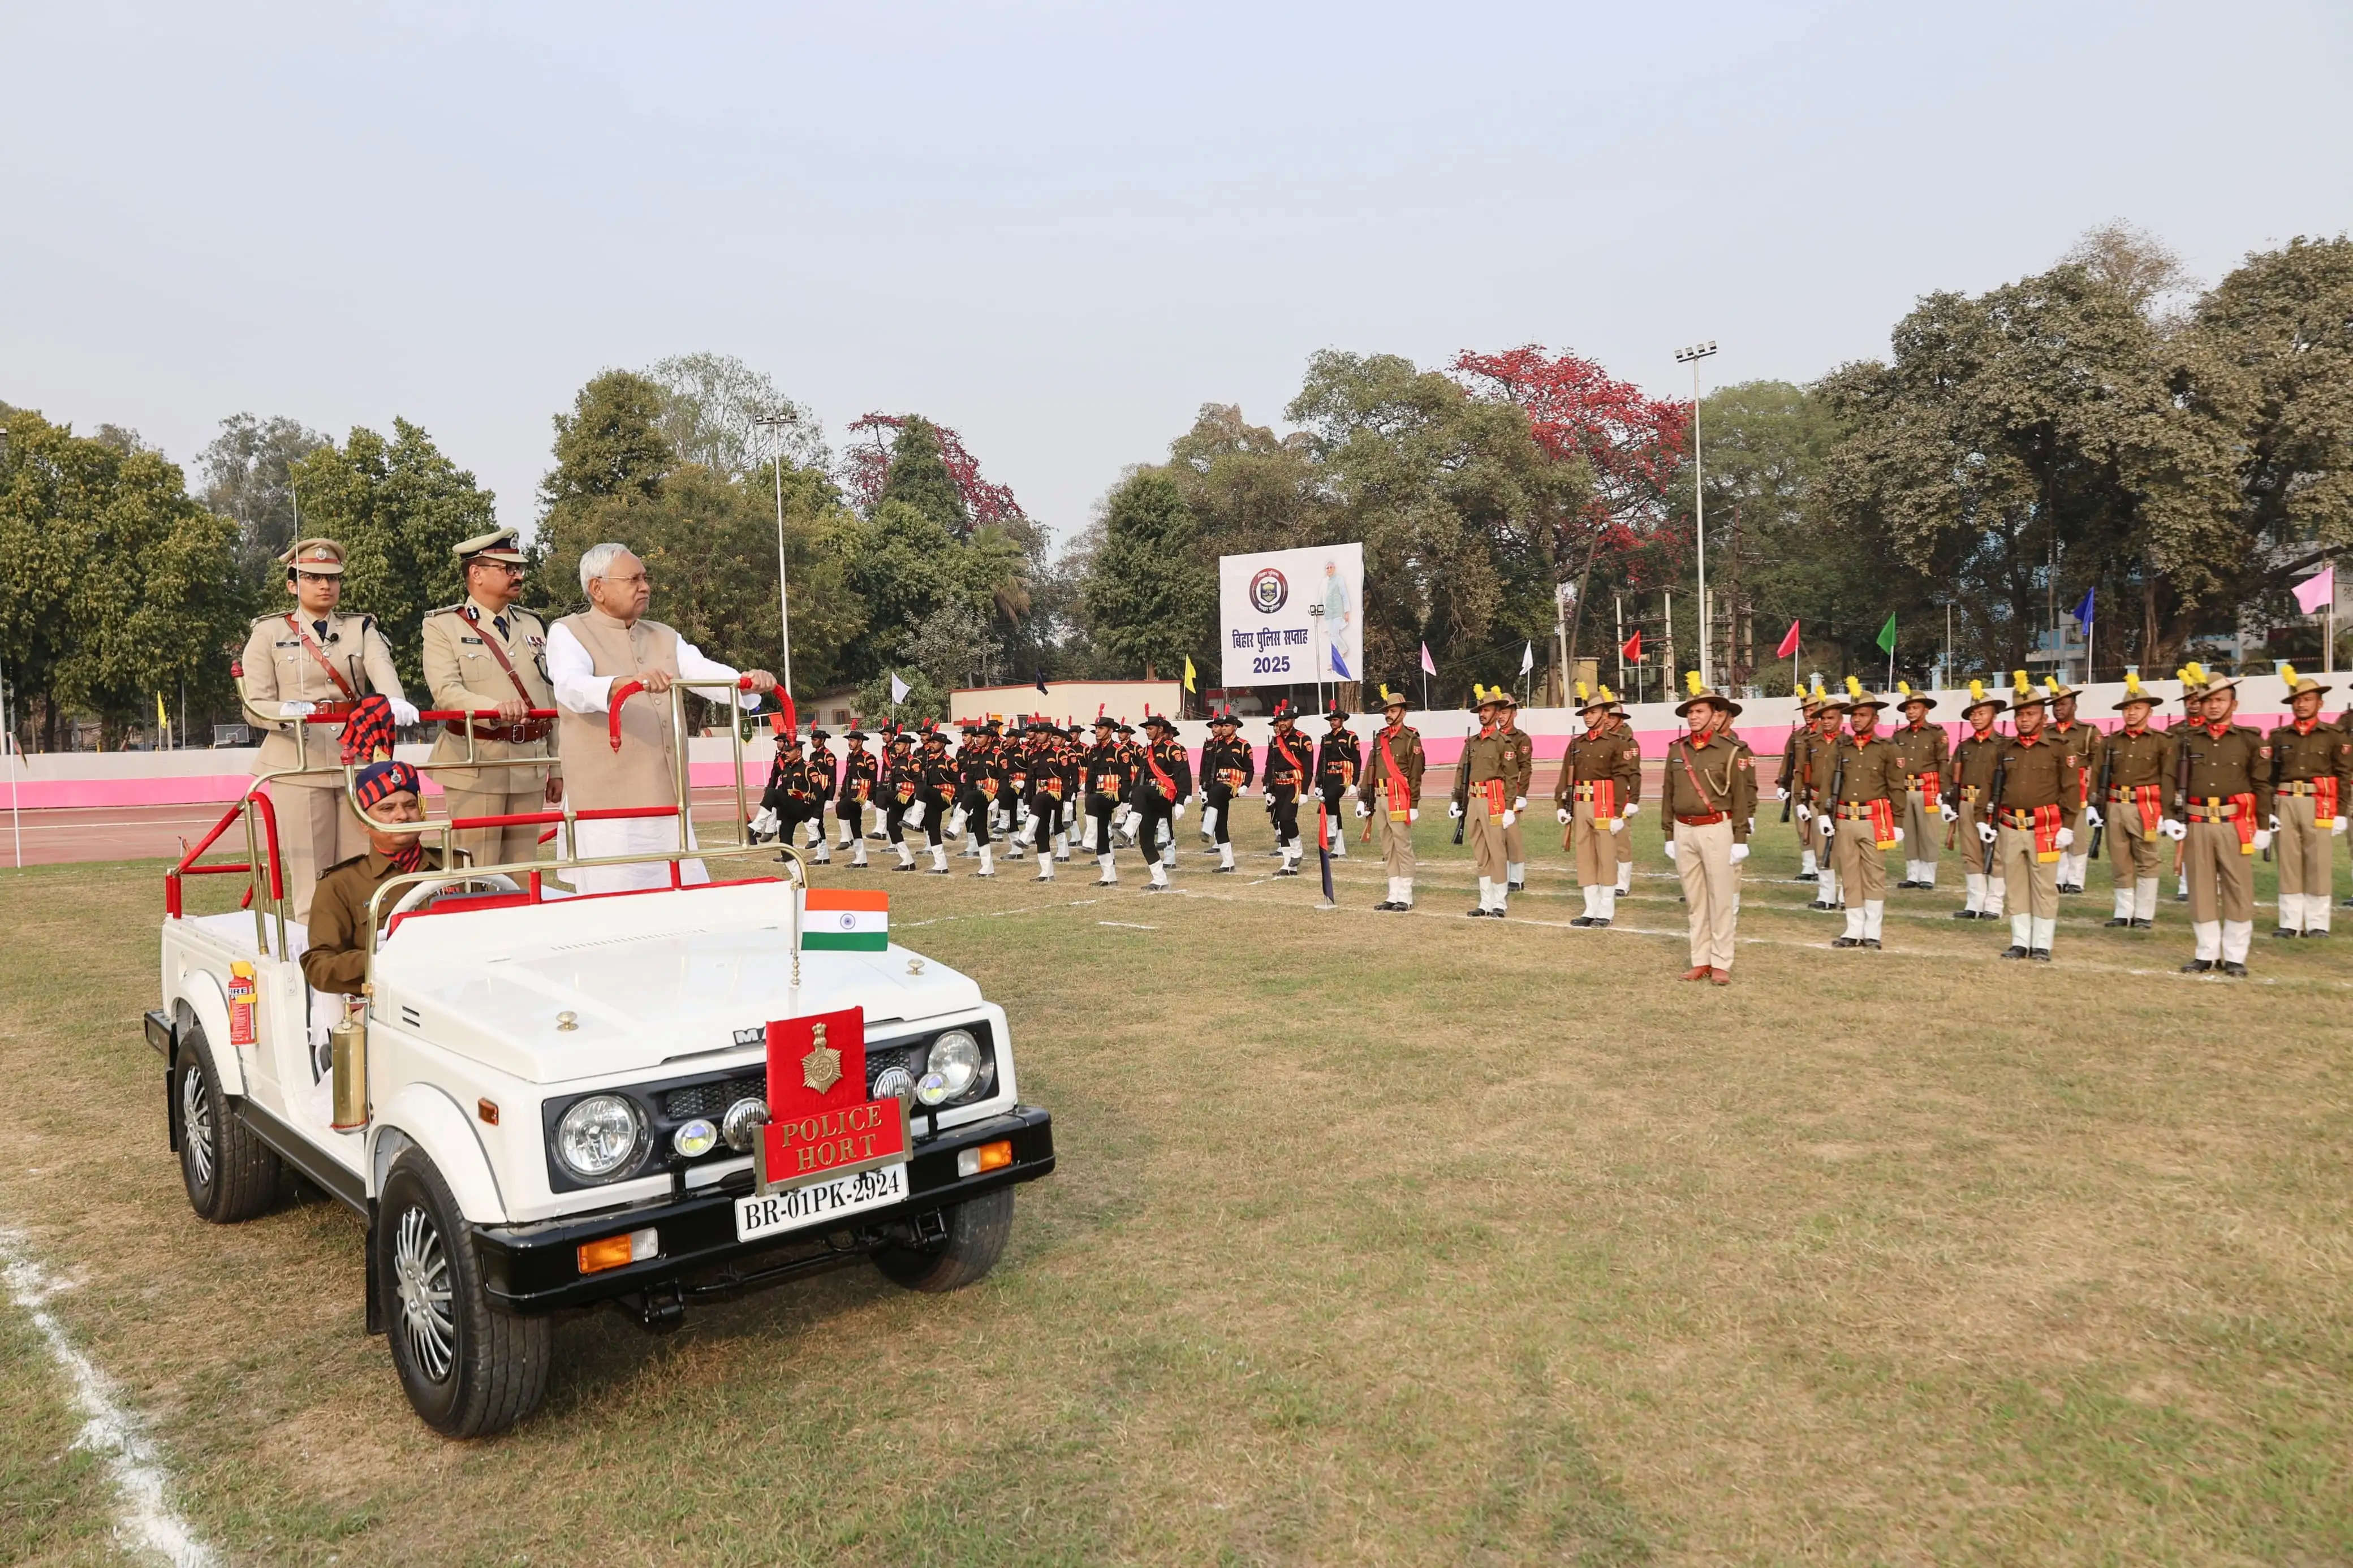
(420, 1276)
(196, 1126)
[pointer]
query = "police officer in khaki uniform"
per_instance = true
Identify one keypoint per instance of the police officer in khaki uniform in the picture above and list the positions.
(487, 654)
(308, 659)
(1859, 802)
(1482, 801)
(1600, 782)
(1792, 782)
(2312, 770)
(1390, 793)
(1519, 770)
(2030, 829)
(1817, 755)
(2139, 807)
(2229, 801)
(1707, 797)
(1622, 726)
(1924, 753)
(1966, 792)
(2085, 747)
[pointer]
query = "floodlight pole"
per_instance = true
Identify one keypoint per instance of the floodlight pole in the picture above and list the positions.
(14, 758)
(1692, 356)
(784, 608)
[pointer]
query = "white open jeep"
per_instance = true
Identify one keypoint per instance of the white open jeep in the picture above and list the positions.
(554, 1101)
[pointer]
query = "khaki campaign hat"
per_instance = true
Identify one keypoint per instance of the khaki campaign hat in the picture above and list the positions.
(1701, 693)
(2297, 685)
(2022, 692)
(1586, 702)
(1906, 697)
(2135, 692)
(320, 557)
(2207, 681)
(499, 544)
(1981, 698)
(1856, 696)
(1487, 696)
(2054, 689)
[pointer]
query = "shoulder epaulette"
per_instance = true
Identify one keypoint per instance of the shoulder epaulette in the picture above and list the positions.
(340, 864)
(273, 616)
(523, 610)
(456, 609)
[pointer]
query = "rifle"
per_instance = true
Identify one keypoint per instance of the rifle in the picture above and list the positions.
(2181, 799)
(1462, 775)
(2108, 772)
(1788, 775)
(1838, 788)
(1993, 812)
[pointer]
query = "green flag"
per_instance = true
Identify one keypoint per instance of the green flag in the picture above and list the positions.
(1887, 636)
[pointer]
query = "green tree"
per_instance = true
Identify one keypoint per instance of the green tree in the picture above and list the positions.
(919, 477)
(611, 443)
(1773, 555)
(925, 698)
(712, 408)
(1151, 592)
(247, 468)
(398, 508)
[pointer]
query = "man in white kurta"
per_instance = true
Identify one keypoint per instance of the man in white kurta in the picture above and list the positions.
(589, 656)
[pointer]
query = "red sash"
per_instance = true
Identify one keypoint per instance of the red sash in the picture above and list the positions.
(2046, 833)
(1492, 792)
(1930, 784)
(2245, 823)
(1605, 798)
(2144, 797)
(1393, 784)
(1167, 785)
(2324, 801)
(325, 663)
(1883, 822)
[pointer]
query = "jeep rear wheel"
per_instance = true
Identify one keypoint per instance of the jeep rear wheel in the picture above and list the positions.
(468, 1367)
(230, 1174)
(978, 1231)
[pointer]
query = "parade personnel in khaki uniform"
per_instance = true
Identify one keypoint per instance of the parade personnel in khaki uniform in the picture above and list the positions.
(2085, 747)
(2138, 808)
(1483, 800)
(1793, 783)
(1390, 794)
(1622, 726)
(1925, 755)
(1339, 761)
(1226, 771)
(1707, 797)
(1519, 770)
(1858, 804)
(2193, 677)
(2029, 830)
(1600, 786)
(2229, 799)
(1817, 756)
(1964, 801)
(336, 957)
(304, 661)
(590, 655)
(487, 654)
(2312, 771)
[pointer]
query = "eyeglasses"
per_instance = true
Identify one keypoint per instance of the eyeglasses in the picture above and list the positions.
(319, 576)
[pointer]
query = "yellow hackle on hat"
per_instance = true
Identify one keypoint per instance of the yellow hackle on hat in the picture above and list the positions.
(2019, 682)
(1582, 691)
(1977, 692)
(2051, 684)
(2287, 673)
(1389, 698)
(1854, 687)
(1608, 695)
(1903, 689)
(1692, 682)
(2132, 684)
(2196, 672)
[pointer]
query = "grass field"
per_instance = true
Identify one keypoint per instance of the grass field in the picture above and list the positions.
(1376, 1239)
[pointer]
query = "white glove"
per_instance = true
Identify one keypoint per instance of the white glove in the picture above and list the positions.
(1804, 812)
(1739, 853)
(1671, 848)
(1510, 817)
(2337, 825)
(1178, 814)
(1413, 815)
(766, 824)
(1780, 794)
(1617, 825)
(1985, 831)
(1634, 809)
(1947, 813)
(2263, 839)
(2066, 838)
(2172, 829)
(1363, 810)
(2274, 821)
(915, 814)
(2091, 815)
(1899, 835)
(1520, 805)
(1454, 809)
(403, 712)
(297, 709)
(1561, 817)
(1830, 827)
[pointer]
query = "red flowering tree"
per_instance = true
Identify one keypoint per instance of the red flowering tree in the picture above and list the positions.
(867, 467)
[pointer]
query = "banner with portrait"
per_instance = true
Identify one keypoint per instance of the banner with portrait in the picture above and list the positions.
(1293, 618)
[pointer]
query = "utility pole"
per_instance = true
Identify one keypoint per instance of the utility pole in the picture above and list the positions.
(1692, 356)
(775, 426)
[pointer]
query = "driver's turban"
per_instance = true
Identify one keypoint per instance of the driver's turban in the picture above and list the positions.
(379, 780)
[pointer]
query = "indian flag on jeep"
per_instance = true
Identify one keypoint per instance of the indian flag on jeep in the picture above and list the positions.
(838, 919)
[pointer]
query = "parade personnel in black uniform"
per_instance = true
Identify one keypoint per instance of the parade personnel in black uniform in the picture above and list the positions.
(1106, 776)
(2312, 771)
(935, 791)
(1019, 754)
(1290, 764)
(790, 801)
(1339, 759)
(1162, 784)
(1707, 799)
(2228, 803)
(2030, 829)
(1391, 796)
(823, 769)
(1964, 801)
(900, 780)
(1922, 750)
(980, 779)
(2138, 808)
(1860, 800)
(1227, 769)
(859, 782)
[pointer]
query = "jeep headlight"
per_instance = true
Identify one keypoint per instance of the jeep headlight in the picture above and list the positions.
(598, 1135)
(956, 1057)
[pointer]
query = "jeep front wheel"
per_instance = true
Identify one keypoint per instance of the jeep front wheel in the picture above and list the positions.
(468, 1367)
(230, 1174)
(978, 1231)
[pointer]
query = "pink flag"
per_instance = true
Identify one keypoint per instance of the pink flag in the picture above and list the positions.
(1428, 665)
(2316, 590)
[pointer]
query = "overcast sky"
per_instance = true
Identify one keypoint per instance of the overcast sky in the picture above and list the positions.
(1061, 228)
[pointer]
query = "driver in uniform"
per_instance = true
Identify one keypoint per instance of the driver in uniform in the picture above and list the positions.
(336, 959)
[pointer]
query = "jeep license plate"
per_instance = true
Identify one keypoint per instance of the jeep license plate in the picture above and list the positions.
(799, 1208)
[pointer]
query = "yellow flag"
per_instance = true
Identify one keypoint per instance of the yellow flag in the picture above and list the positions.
(162, 723)
(1188, 672)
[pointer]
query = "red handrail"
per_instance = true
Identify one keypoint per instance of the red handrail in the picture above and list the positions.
(541, 818)
(173, 905)
(620, 694)
(442, 716)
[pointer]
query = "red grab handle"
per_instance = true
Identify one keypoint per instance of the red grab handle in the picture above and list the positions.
(621, 694)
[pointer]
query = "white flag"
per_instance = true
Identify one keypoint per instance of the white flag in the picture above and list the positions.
(898, 689)
(1527, 657)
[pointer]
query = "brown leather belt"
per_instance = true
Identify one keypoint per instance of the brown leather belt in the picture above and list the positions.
(531, 731)
(2019, 817)
(1710, 820)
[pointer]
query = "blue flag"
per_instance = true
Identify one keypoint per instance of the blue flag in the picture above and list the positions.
(2082, 613)
(1339, 666)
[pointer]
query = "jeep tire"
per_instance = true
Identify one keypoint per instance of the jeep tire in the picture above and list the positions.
(976, 1240)
(230, 1174)
(468, 1367)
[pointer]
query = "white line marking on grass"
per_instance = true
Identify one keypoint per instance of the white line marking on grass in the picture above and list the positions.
(1126, 925)
(108, 1427)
